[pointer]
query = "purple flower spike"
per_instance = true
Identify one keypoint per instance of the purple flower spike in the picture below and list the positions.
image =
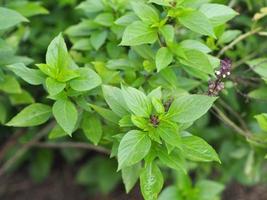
(225, 69)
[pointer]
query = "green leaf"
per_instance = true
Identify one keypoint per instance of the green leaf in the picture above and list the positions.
(163, 58)
(10, 18)
(151, 182)
(260, 93)
(229, 36)
(209, 190)
(130, 176)
(137, 101)
(189, 108)
(168, 33)
(98, 38)
(170, 193)
(56, 132)
(33, 115)
(53, 86)
(3, 112)
(91, 6)
(157, 104)
(87, 80)
(104, 19)
(169, 132)
(106, 114)
(10, 85)
(92, 127)
(140, 122)
(197, 60)
(197, 149)
(66, 115)
(262, 121)
(57, 56)
(21, 98)
(133, 147)
(194, 44)
(196, 21)
(31, 76)
(138, 33)
(145, 12)
(259, 66)
(217, 13)
(173, 160)
(28, 9)
(115, 100)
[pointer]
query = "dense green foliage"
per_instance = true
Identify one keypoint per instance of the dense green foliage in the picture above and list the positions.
(146, 81)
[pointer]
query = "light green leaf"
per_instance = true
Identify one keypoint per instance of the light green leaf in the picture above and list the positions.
(137, 101)
(33, 115)
(57, 56)
(259, 65)
(196, 21)
(87, 80)
(66, 114)
(115, 100)
(138, 33)
(189, 108)
(10, 18)
(28, 9)
(21, 98)
(56, 132)
(32, 76)
(106, 114)
(217, 13)
(168, 33)
(10, 85)
(53, 86)
(98, 38)
(170, 193)
(194, 44)
(133, 147)
(260, 93)
(92, 127)
(168, 131)
(145, 12)
(151, 182)
(130, 176)
(229, 36)
(209, 190)
(262, 121)
(197, 60)
(91, 6)
(163, 58)
(104, 19)
(197, 149)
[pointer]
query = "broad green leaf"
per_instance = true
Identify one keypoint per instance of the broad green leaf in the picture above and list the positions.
(217, 13)
(98, 38)
(21, 98)
(56, 132)
(151, 182)
(115, 100)
(133, 147)
(87, 80)
(189, 108)
(140, 122)
(28, 9)
(229, 36)
(260, 93)
(10, 18)
(57, 56)
(197, 60)
(196, 21)
(194, 44)
(259, 65)
(262, 121)
(197, 149)
(92, 127)
(137, 101)
(104, 19)
(10, 85)
(126, 19)
(169, 132)
(33, 115)
(145, 12)
(138, 33)
(66, 114)
(170, 193)
(167, 32)
(157, 104)
(130, 176)
(209, 190)
(91, 6)
(164, 57)
(31, 76)
(173, 160)
(106, 114)
(53, 86)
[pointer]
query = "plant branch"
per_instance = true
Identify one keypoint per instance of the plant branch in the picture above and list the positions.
(25, 148)
(237, 40)
(230, 123)
(78, 145)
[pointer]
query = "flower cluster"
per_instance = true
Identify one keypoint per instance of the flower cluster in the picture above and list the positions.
(217, 85)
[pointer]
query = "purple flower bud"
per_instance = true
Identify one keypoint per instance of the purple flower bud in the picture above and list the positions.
(225, 68)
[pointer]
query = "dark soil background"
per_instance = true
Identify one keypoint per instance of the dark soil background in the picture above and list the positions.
(60, 185)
